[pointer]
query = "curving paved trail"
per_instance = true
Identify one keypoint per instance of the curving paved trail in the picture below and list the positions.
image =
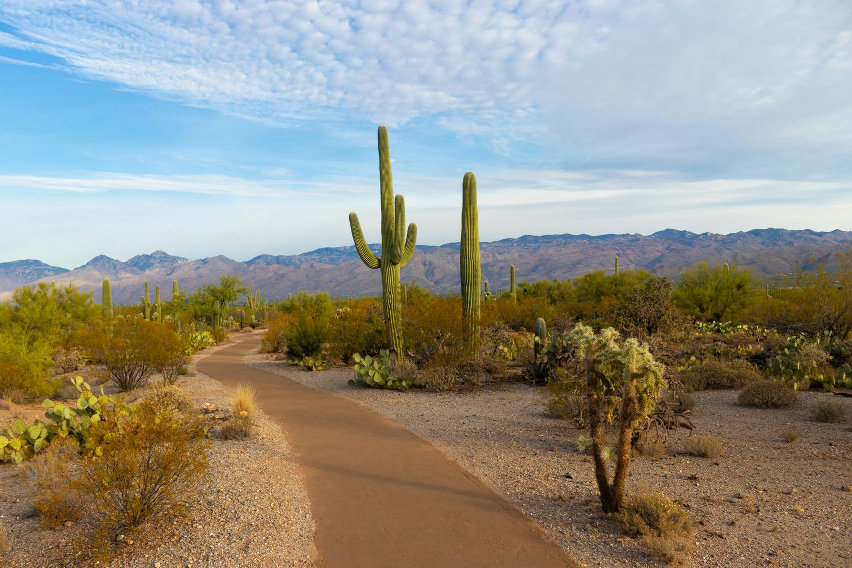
(381, 496)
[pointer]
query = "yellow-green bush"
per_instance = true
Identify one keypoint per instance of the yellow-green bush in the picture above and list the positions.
(661, 524)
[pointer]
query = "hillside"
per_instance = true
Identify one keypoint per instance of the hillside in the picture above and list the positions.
(339, 271)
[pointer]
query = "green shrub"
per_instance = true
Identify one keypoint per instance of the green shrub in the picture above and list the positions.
(311, 363)
(24, 360)
(719, 374)
(356, 327)
(703, 446)
(199, 340)
(661, 524)
(768, 394)
(801, 363)
(828, 411)
(165, 398)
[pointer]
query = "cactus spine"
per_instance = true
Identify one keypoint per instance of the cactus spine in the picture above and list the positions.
(146, 303)
(106, 303)
(471, 269)
(397, 248)
(513, 293)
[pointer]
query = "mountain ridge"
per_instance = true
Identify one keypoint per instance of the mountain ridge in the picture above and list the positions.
(339, 271)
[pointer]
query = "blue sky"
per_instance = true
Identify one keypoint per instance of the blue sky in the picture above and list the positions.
(241, 128)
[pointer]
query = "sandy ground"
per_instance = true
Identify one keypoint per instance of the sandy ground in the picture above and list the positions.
(251, 510)
(763, 502)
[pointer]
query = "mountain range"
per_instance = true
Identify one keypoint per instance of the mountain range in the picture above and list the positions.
(339, 271)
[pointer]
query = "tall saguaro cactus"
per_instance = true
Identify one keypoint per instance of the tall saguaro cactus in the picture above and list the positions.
(106, 303)
(471, 269)
(158, 305)
(512, 287)
(397, 246)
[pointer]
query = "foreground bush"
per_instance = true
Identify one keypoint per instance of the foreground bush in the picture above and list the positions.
(768, 394)
(242, 418)
(703, 446)
(51, 477)
(661, 524)
(381, 372)
(147, 464)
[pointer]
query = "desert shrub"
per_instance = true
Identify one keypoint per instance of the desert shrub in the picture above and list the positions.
(439, 379)
(716, 293)
(432, 330)
(682, 401)
(312, 364)
(147, 465)
(135, 350)
(649, 444)
(661, 524)
(789, 436)
(356, 327)
(166, 398)
(305, 336)
(52, 478)
(240, 423)
(24, 359)
(66, 360)
(827, 411)
(275, 337)
(648, 309)
(703, 446)
(236, 427)
(718, 374)
(768, 394)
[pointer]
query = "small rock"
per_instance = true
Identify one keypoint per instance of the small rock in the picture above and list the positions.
(567, 475)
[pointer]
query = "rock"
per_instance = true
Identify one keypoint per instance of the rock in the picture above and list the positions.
(208, 408)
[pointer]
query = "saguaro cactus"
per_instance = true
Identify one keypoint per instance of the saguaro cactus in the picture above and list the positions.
(512, 286)
(616, 267)
(106, 303)
(486, 295)
(252, 303)
(176, 304)
(471, 270)
(146, 303)
(158, 305)
(397, 248)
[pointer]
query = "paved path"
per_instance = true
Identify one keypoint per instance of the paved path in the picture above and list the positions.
(381, 496)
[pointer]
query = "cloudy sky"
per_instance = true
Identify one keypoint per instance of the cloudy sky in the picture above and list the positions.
(242, 127)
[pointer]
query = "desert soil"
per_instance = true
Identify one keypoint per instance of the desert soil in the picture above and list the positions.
(762, 502)
(251, 510)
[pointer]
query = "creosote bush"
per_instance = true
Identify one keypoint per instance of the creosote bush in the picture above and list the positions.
(703, 446)
(719, 374)
(768, 394)
(52, 477)
(661, 524)
(147, 464)
(828, 411)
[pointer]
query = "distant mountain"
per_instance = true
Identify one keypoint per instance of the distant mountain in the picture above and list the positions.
(339, 271)
(17, 273)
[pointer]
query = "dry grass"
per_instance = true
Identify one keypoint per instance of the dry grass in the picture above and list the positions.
(52, 477)
(789, 436)
(5, 543)
(244, 399)
(661, 524)
(703, 446)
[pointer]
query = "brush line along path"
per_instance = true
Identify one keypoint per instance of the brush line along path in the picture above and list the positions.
(381, 496)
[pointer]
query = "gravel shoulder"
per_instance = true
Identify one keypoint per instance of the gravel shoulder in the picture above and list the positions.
(252, 508)
(763, 502)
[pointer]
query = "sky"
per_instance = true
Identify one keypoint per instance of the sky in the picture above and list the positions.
(248, 127)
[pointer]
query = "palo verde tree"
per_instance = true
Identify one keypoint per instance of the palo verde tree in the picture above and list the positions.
(397, 245)
(714, 294)
(623, 383)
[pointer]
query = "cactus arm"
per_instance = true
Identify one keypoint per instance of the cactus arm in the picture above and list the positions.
(410, 242)
(364, 251)
(386, 194)
(398, 245)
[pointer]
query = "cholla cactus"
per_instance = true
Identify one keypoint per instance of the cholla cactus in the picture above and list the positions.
(397, 245)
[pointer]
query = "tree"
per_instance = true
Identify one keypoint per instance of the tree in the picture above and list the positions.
(714, 294)
(623, 383)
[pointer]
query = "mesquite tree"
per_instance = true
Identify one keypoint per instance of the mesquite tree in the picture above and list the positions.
(623, 384)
